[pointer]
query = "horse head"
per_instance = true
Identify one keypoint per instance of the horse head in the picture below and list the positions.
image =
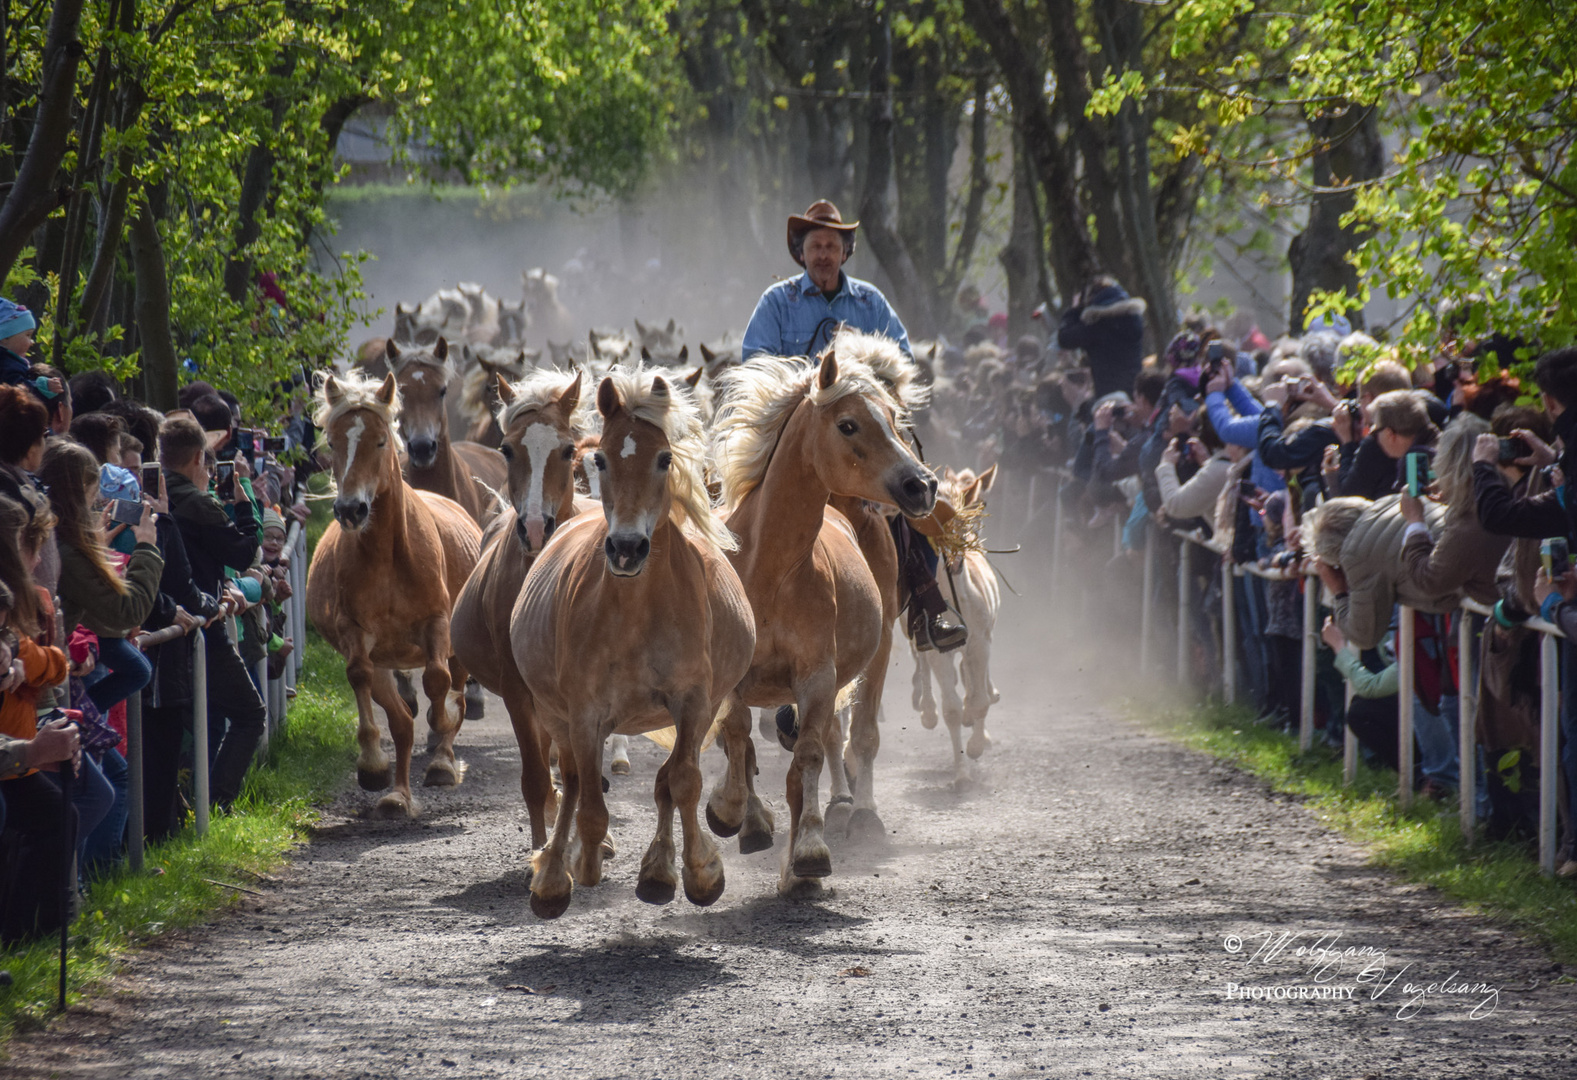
(855, 446)
(358, 418)
(538, 419)
(423, 377)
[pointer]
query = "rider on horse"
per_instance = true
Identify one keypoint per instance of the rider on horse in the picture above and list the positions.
(797, 317)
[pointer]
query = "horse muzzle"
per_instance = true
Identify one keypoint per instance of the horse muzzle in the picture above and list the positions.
(533, 533)
(351, 513)
(422, 452)
(914, 494)
(627, 553)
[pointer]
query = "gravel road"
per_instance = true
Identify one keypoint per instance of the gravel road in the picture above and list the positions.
(1086, 908)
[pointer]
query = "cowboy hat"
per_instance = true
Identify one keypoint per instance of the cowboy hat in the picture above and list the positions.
(820, 214)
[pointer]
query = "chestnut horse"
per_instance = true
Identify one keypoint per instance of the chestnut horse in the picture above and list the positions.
(540, 419)
(382, 582)
(466, 472)
(632, 621)
(978, 598)
(789, 437)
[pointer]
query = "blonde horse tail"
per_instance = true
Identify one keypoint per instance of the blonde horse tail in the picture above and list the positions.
(849, 694)
(666, 737)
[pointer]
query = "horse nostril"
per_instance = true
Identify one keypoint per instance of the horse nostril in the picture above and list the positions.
(643, 549)
(916, 487)
(610, 549)
(547, 527)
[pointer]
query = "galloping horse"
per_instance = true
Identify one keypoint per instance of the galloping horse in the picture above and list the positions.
(382, 582)
(540, 418)
(978, 600)
(633, 621)
(466, 472)
(789, 437)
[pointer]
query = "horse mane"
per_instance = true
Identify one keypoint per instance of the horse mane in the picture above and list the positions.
(359, 392)
(425, 356)
(897, 371)
(757, 399)
(675, 414)
(539, 388)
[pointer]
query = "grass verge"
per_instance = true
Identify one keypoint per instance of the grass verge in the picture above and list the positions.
(1423, 843)
(308, 762)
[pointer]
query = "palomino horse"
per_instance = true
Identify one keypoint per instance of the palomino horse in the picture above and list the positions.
(466, 472)
(789, 437)
(632, 621)
(382, 582)
(541, 420)
(481, 367)
(978, 600)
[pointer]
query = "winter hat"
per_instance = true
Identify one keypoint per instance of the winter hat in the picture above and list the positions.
(273, 520)
(15, 319)
(118, 483)
(1182, 350)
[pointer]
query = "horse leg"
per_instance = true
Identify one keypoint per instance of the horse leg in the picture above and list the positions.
(841, 806)
(536, 784)
(978, 691)
(658, 879)
(442, 683)
(551, 885)
(920, 697)
(946, 673)
(807, 857)
(592, 817)
(703, 866)
(865, 739)
(619, 754)
(734, 806)
(372, 764)
(402, 729)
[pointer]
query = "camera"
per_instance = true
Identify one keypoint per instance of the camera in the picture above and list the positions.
(1555, 556)
(1120, 412)
(225, 480)
(273, 444)
(1513, 448)
(1215, 352)
(150, 479)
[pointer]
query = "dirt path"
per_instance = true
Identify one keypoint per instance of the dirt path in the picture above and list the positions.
(1071, 914)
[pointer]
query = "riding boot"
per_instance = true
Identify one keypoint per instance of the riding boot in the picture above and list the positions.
(929, 624)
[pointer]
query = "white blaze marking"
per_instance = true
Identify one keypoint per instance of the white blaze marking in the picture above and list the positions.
(628, 450)
(418, 376)
(353, 440)
(539, 441)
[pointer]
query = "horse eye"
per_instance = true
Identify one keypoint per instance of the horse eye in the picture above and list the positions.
(664, 460)
(382, 443)
(600, 461)
(568, 453)
(443, 391)
(848, 427)
(508, 452)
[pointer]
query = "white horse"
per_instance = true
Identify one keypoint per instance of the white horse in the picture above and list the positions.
(979, 599)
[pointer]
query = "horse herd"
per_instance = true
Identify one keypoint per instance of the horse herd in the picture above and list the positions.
(628, 562)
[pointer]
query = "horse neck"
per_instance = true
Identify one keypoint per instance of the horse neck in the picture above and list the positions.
(779, 520)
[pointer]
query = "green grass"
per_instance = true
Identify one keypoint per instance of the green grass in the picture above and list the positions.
(309, 760)
(1423, 843)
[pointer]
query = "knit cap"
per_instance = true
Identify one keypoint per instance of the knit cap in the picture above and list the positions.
(15, 319)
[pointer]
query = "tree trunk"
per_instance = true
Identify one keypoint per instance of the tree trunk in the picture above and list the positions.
(1020, 255)
(1349, 150)
(255, 180)
(159, 362)
(33, 197)
(878, 218)
(974, 203)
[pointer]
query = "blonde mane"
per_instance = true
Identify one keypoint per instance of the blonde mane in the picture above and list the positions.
(757, 399)
(358, 391)
(425, 356)
(676, 416)
(898, 372)
(538, 389)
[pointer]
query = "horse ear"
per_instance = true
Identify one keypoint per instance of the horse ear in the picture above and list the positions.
(670, 326)
(387, 391)
(829, 370)
(506, 393)
(391, 353)
(986, 479)
(333, 393)
(646, 357)
(641, 330)
(707, 355)
(684, 355)
(660, 387)
(608, 401)
(693, 379)
(441, 348)
(591, 336)
(571, 395)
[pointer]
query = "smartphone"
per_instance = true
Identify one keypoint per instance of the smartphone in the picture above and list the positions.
(1120, 412)
(1556, 557)
(245, 441)
(150, 479)
(1216, 352)
(224, 477)
(273, 444)
(1417, 473)
(1512, 449)
(127, 511)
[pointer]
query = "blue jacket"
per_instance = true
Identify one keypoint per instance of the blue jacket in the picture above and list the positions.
(793, 318)
(1235, 416)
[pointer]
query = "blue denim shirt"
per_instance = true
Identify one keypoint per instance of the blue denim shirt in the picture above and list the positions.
(788, 315)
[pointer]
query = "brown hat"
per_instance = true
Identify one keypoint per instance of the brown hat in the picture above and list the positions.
(820, 214)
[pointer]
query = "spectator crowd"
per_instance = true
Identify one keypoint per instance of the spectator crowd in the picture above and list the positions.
(116, 524)
(1320, 462)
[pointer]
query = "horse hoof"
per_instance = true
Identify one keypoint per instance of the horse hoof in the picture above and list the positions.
(473, 704)
(606, 784)
(928, 720)
(704, 896)
(441, 772)
(549, 907)
(621, 768)
(752, 840)
(865, 825)
(836, 819)
(801, 889)
(373, 779)
(977, 746)
(758, 828)
(654, 891)
(395, 807)
(608, 850)
(720, 827)
(813, 864)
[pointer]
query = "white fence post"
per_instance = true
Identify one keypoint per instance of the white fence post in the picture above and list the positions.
(1349, 746)
(1404, 706)
(200, 731)
(135, 817)
(1147, 603)
(1229, 655)
(1311, 603)
(1467, 725)
(1549, 759)
(1183, 554)
(1056, 534)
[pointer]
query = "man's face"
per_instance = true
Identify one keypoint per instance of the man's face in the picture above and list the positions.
(823, 254)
